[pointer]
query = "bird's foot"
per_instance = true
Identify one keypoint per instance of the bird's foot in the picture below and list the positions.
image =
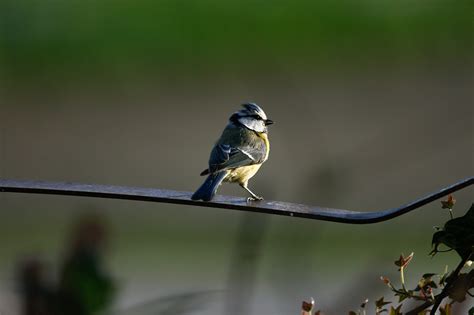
(254, 198)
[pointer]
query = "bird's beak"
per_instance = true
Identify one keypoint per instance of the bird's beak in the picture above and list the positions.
(268, 122)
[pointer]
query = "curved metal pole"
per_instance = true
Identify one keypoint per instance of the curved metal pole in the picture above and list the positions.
(224, 202)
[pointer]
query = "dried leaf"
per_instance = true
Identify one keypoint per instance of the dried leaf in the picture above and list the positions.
(307, 306)
(448, 203)
(385, 280)
(402, 262)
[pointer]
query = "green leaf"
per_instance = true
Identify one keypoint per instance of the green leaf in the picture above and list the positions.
(381, 302)
(426, 282)
(396, 311)
(458, 234)
(402, 295)
(428, 275)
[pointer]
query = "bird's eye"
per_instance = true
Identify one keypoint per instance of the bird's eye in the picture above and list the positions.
(257, 117)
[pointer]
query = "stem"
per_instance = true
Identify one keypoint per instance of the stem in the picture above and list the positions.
(451, 213)
(402, 277)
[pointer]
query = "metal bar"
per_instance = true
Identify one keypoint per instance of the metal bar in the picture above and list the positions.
(224, 202)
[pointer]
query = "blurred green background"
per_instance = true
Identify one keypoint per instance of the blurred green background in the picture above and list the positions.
(373, 108)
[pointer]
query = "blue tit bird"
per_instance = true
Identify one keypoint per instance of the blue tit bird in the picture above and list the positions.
(239, 153)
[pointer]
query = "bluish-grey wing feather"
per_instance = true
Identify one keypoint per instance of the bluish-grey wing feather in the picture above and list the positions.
(220, 154)
(225, 157)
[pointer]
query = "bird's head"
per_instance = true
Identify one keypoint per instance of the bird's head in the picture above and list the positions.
(251, 116)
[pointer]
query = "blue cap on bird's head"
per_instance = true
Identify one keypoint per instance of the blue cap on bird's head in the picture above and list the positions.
(252, 116)
(254, 109)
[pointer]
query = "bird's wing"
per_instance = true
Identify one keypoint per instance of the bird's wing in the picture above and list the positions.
(224, 157)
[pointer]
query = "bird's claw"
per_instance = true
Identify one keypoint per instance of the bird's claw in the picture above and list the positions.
(255, 198)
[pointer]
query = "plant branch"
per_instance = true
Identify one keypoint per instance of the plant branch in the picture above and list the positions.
(444, 293)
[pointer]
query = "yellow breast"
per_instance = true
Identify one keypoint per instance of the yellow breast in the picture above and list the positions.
(242, 174)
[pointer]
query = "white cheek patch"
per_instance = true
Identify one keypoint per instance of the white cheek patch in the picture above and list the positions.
(253, 124)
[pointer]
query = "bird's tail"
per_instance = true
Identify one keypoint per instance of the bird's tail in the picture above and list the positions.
(208, 189)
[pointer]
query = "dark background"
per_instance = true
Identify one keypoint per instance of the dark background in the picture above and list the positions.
(373, 108)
